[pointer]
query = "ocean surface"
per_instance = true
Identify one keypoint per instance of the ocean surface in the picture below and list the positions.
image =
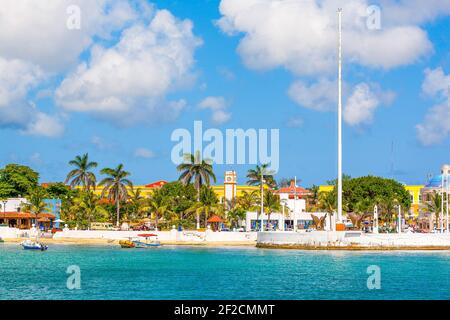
(172, 272)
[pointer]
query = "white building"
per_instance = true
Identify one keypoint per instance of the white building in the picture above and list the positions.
(12, 204)
(278, 221)
(293, 197)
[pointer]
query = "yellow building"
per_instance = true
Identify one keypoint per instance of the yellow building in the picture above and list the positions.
(229, 189)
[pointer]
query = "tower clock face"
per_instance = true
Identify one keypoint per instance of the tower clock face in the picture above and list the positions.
(229, 179)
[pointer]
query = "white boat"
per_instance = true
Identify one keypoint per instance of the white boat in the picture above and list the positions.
(151, 240)
(33, 245)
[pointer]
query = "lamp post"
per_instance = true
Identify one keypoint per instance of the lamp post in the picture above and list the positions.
(262, 201)
(375, 219)
(283, 206)
(295, 204)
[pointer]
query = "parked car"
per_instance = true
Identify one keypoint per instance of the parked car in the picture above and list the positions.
(142, 227)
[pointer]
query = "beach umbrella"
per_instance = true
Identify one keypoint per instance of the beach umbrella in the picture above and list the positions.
(59, 221)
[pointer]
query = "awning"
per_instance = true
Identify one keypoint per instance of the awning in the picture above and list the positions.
(46, 215)
(215, 219)
(17, 215)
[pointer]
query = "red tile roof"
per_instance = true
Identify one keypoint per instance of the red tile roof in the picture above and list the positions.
(156, 184)
(215, 219)
(17, 215)
(25, 215)
(292, 190)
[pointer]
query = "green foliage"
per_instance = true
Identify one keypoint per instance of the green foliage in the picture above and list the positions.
(254, 176)
(196, 169)
(86, 208)
(249, 200)
(236, 214)
(115, 186)
(434, 205)
(57, 190)
(17, 180)
(82, 175)
(207, 205)
(180, 196)
(36, 199)
(208, 196)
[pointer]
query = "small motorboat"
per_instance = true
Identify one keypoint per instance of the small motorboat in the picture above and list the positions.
(151, 240)
(33, 245)
(126, 244)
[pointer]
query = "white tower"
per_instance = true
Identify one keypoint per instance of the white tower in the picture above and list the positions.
(230, 185)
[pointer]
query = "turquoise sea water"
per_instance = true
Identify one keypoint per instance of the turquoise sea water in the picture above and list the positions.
(220, 273)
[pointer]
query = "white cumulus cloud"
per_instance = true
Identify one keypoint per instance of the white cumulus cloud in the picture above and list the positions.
(436, 124)
(17, 77)
(320, 96)
(361, 105)
(218, 106)
(36, 31)
(144, 153)
(301, 35)
(128, 82)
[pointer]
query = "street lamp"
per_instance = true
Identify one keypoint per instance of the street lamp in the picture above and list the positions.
(283, 206)
(375, 219)
(262, 201)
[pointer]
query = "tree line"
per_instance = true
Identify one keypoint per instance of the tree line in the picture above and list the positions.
(190, 200)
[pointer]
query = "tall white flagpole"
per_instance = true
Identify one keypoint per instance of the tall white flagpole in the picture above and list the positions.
(339, 191)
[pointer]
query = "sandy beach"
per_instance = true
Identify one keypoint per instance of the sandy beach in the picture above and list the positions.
(109, 242)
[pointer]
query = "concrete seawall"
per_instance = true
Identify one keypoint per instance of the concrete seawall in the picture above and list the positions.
(172, 236)
(353, 240)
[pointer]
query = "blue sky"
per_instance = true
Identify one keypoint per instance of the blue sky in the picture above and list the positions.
(52, 118)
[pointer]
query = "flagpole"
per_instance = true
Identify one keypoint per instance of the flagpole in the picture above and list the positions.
(339, 186)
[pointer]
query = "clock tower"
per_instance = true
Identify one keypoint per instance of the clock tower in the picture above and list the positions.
(230, 185)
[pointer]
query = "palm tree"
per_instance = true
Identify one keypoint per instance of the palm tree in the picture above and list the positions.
(254, 176)
(271, 204)
(81, 174)
(197, 169)
(360, 212)
(434, 205)
(207, 204)
(115, 185)
(258, 177)
(136, 203)
(327, 202)
(89, 205)
(248, 200)
(159, 208)
(313, 198)
(36, 202)
(236, 214)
